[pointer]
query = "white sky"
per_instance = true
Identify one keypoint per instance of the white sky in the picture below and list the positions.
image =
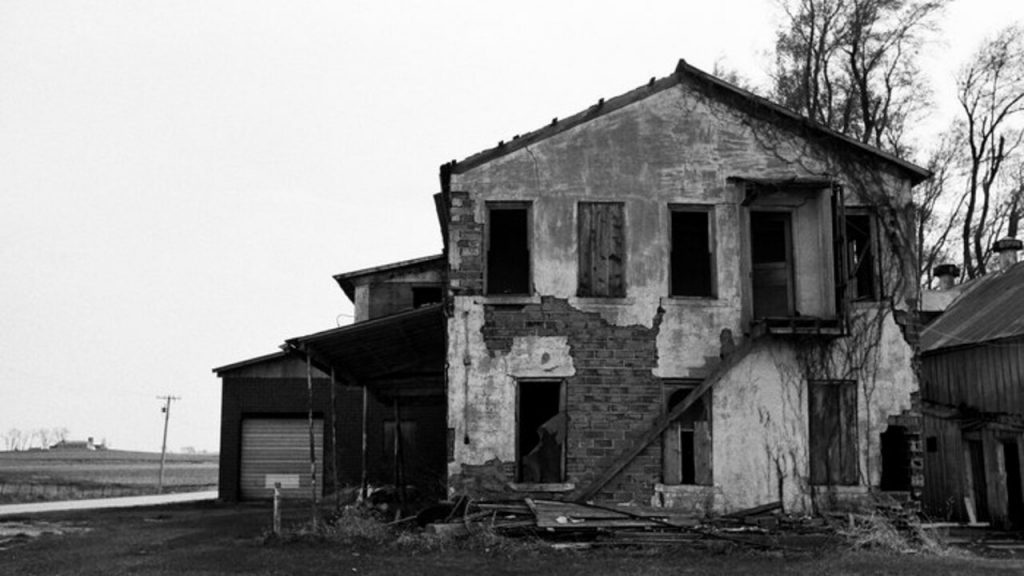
(180, 180)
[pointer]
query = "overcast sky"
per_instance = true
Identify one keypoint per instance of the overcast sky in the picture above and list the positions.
(180, 180)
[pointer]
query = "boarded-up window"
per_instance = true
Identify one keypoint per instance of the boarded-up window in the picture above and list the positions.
(692, 263)
(602, 250)
(686, 457)
(541, 424)
(508, 249)
(860, 242)
(833, 432)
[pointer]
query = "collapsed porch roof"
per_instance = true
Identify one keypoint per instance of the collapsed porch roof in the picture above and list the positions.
(408, 345)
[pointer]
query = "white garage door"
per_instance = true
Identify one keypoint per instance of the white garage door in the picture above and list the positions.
(277, 450)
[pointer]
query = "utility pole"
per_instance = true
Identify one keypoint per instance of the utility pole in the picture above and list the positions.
(166, 409)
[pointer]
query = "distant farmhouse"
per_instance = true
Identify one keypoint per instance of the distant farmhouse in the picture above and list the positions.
(78, 445)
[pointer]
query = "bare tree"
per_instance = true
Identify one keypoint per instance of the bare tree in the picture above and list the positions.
(851, 65)
(990, 89)
(936, 219)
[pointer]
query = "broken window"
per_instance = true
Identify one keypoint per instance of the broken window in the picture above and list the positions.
(833, 432)
(860, 242)
(771, 250)
(602, 250)
(423, 295)
(508, 249)
(540, 431)
(686, 457)
(691, 261)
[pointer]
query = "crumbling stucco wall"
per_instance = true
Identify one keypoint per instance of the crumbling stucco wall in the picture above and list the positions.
(674, 147)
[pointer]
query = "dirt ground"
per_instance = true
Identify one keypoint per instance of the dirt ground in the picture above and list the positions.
(214, 539)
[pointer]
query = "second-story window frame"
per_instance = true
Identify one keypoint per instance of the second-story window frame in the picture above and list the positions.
(872, 275)
(707, 289)
(523, 286)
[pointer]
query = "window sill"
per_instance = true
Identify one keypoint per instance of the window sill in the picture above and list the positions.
(603, 300)
(691, 301)
(542, 487)
(509, 299)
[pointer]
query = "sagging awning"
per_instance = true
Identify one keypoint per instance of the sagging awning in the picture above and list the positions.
(403, 347)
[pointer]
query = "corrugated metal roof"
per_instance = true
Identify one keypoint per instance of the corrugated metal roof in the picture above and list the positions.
(401, 345)
(992, 307)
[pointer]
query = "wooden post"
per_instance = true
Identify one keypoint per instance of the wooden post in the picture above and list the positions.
(334, 441)
(399, 472)
(312, 440)
(277, 508)
(363, 484)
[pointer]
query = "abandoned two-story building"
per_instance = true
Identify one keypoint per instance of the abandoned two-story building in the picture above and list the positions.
(684, 295)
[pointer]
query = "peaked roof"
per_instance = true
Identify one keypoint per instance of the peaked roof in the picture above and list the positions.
(346, 279)
(990, 308)
(682, 72)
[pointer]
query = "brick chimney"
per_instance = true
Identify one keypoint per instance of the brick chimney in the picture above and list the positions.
(947, 275)
(1006, 249)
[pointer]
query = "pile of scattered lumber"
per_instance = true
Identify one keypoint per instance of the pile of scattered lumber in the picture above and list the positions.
(572, 523)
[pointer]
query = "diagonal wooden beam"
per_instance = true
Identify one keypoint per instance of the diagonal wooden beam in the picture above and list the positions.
(662, 422)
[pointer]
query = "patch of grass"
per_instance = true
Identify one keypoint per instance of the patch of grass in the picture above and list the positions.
(878, 532)
(366, 528)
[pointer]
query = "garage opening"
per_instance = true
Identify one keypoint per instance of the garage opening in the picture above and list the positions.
(276, 450)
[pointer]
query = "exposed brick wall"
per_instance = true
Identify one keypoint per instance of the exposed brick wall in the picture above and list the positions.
(467, 245)
(612, 399)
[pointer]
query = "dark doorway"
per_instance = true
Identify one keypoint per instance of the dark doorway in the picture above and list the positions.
(895, 460)
(1014, 495)
(687, 449)
(540, 431)
(978, 488)
(771, 259)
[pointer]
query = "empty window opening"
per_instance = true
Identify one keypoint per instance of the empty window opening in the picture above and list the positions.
(602, 250)
(833, 432)
(508, 250)
(692, 269)
(771, 259)
(540, 431)
(860, 246)
(424, 295)
(687, 442)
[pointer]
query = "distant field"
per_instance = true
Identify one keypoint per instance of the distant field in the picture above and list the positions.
(53, 474)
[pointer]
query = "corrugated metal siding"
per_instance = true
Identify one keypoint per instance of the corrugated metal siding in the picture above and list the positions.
(279, 447)
(987, 377)
(991, 308)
